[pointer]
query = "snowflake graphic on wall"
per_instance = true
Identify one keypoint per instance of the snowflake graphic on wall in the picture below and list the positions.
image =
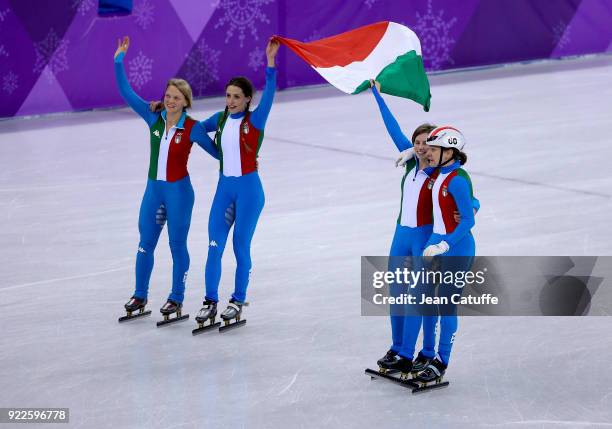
(3, 14)
(433, 31)
(140, 70)
(256, 58)
(3, 51)
(9, 82)
(561, 35)
(143, 13)
(369, 3)
(201, 67)
(51, 53)
(240, 15)
(83, 6)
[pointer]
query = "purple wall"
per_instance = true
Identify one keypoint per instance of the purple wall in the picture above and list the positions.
(57, 55)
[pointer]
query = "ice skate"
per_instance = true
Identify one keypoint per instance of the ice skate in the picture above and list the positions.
(207, 313)
(431, 377)
(233, 312)
(389, 358)
(419, 364)
(169, 308)
(133, 305)
(392, 365)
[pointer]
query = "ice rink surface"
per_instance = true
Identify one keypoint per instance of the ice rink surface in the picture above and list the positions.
(70, 187)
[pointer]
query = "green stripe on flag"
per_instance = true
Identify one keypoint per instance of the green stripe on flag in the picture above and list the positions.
(405, 77)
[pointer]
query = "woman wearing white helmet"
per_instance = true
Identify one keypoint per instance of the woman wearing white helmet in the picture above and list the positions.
(452, 190)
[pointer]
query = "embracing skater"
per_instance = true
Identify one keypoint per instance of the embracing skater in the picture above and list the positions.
(239, 198)
(452, 191)
(168, 196)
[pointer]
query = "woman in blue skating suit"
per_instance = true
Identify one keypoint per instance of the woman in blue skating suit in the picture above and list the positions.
(452, 240)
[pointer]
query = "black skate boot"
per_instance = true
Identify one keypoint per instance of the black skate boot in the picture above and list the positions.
(419, 364)
(207, 313)
(388, 359)
(401, 365)
(233, 312)
(135, 304)
(431, 376)
(172, 307)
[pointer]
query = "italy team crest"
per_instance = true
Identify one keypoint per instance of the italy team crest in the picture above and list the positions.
(245, 128)
(430, 184)
(178, 137)
(444, 191)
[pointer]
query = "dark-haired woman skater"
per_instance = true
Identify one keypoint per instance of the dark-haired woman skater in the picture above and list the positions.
(239, 198)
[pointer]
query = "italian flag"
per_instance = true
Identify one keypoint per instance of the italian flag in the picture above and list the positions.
(385, 51)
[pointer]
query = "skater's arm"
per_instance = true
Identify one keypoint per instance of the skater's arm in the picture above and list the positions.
(210, 124)
(260, 114)
(131, 98)
(459, 188)
(199, 136)
(401, 141)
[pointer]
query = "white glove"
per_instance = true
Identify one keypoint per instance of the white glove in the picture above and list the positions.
(405, 155)
(436, 249)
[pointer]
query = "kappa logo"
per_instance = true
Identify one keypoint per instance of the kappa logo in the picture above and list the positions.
(156, 133)
(141, 250)
(213, 243)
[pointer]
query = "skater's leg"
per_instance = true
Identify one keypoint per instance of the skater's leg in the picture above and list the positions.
(249, 204)
(179, 199)
(400, 246)
(459, 259)
(220, 220)
(429, 336)
(151, 220)
(413, 320)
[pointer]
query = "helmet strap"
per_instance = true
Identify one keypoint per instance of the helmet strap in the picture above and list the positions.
(442, 164)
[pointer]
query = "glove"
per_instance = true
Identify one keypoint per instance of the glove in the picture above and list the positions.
(436, 249)
(405, 155)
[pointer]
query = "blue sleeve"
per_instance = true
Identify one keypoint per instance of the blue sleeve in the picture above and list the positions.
(475, 204)
(210, 124)
(198, 135)
(260, 115)
(131, 98)
(459, 188)
(401, 141)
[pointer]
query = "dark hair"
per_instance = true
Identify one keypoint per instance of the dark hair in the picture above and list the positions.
(423, 128)
(245, 85)
(461, 156)
(247, 88)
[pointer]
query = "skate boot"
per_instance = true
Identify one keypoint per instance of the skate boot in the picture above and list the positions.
(419, 364)
(172, 307)
(433, 372)
(207, 313)
(135, 304)
(389, 358)
(402, 365)
(232, 312)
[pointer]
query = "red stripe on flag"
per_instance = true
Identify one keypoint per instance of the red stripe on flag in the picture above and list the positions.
(339, 50)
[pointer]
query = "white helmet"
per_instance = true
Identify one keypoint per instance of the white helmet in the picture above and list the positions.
(447, 137)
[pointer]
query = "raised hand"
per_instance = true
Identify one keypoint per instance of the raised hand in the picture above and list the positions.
(122, 45)
(272, 50)
(375, 83)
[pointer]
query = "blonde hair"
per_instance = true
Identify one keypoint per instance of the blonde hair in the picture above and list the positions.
(183, 86)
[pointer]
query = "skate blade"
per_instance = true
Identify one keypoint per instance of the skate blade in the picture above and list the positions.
(431, 386)
(206, 328)
(134, 316)
(172, 320)
(232, 325)
(404, 383)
